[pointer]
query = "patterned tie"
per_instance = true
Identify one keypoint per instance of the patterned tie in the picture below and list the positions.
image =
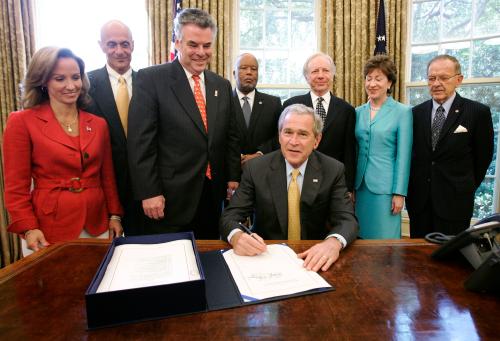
(200, 102)
(122, 102)
(437, 125)
(247, 111)
(320, 110)
(294, 208)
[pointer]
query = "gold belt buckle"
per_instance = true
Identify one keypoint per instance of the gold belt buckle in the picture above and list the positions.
(74, 189)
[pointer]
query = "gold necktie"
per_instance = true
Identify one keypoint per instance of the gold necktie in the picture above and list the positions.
(122, 102)
(294, 208)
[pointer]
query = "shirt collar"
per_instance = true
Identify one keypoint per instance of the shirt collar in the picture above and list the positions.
(127, 75)
(326, 98)
(189, 75)
(446, 105)
(250, 95)
(290, 168)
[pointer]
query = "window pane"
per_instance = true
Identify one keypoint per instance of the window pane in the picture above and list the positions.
(417, 95)
(251, 4)
(276, 4)
(302, 24)
(486, 61)
(420, 56)
(425, 22)
(251, 29)
(461, 51)
(456, 19)
(486, 21)
(275, 68)
(483, 204)
(305, 4)
(277, 31)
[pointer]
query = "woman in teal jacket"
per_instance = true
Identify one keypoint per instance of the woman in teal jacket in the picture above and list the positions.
(384, 132)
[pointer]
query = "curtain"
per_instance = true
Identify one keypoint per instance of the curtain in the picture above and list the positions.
(348, 35)
(16, 48)
(160, 14)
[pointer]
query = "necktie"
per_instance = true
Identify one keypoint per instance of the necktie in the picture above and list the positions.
(294, 208)
(247, 111)
(122, 102)
(200, 102)
(437, 124)
(320, 110)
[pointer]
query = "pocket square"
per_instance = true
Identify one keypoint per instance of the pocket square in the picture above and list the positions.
(460, 129)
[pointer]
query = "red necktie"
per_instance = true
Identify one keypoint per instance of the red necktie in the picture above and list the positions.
(200, 102)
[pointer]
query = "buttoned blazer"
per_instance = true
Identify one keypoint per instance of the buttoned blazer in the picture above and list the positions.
(338, 139)
(169, 148)
(450, 174)
(103, 104)
(325, 207)
(384, 147)
(36, 146)
(261, 133)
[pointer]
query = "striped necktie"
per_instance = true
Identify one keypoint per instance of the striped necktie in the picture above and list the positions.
(200, 102)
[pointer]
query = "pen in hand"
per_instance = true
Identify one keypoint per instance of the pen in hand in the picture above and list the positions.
(248, 231)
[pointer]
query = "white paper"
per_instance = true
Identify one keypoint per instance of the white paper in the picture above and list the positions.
(143, 265)
(276, 272)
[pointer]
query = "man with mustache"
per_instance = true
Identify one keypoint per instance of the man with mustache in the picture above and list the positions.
(257, 113)
(452, 149)
(184, 150)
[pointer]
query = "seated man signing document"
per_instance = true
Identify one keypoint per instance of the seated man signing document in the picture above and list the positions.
(296, 193)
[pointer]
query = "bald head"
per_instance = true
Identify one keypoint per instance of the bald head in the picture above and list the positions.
(117, 43)
(246, 72)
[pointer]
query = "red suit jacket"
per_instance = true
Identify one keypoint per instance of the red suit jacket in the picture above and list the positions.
(72, 189)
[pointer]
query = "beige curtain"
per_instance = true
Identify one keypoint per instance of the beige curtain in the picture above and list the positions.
(348, 35)
(16, 48)
(160, 14)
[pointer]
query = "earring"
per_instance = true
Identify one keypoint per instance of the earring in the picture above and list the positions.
(43, 88)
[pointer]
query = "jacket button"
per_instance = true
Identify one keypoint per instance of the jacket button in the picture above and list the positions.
(85, 155)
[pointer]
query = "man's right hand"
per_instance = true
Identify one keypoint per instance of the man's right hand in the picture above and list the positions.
(248, 245)
(154, 207)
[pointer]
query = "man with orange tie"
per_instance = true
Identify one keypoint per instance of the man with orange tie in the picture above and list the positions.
(111, 90)
(296, 192)
(184, 150)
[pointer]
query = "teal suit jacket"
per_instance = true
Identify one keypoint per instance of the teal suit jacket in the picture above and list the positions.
(384, 147)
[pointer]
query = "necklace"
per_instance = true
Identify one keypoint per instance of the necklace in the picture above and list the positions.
(374, 109)
(68, 125)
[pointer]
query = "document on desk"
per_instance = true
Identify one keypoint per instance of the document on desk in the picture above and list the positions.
(142, 265)
(276, 272)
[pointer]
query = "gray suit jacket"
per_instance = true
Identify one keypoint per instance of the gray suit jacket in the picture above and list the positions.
(325, 206)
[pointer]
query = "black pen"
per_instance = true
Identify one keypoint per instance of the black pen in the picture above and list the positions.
(247, 230)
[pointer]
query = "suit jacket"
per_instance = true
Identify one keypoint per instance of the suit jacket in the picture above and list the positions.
(260, 135)
(36, 147)
(338, 139)
(169, 148)
(450, 175)
(384, 147)
(325, 207)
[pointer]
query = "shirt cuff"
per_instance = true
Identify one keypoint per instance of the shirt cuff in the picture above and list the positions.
(339, 238)
(231, 234)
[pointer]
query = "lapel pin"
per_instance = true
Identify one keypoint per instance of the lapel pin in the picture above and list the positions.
(216, 93)
(457, 110)
(260, 102)
(315, 180)
(88, 129)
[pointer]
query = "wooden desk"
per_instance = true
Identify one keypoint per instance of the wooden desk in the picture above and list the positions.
(385, 290)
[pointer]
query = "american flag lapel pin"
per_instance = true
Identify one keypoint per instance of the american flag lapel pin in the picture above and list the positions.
(216, 93)
(315, 180)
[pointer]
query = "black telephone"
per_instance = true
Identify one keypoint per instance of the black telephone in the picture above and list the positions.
(480, 244)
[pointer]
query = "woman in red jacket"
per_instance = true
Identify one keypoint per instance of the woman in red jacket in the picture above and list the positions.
(59, 180)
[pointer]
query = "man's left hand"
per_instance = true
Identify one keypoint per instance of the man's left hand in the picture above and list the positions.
(231, 187)
(322, 255)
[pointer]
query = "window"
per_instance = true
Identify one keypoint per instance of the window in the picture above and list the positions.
(77, 24)
(468, 30)
(281, 34)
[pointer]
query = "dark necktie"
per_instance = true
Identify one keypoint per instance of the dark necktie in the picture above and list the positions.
(320, 110)
(247, 111)
(437, 124)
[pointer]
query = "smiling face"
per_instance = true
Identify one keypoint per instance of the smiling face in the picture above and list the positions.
(297, 139)
(319, 75)
(65, 83)
(376, 85)
(116, 42)
(195, 48)
(445, 79)
(246, 73)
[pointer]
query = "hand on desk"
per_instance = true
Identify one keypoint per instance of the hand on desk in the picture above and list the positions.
(322, 255)
(248, 245)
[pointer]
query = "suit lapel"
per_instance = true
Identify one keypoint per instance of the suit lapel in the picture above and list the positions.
(277, 180)
(87, 129)
(385, 110)
(212, 92)
(313, 179)
(52, 129)
(451, 118)
(182, 90)
(330, 114)
(256, 111)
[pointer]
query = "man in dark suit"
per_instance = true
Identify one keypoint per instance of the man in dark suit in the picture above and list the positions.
(452, 149)
(107, 92)
(257, 113)
(339, 117)
(296, 192)
(184, 150)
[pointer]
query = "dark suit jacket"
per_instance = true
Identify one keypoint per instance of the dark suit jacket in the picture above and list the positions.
(450, 175)
(338, 139)
(325, 207)
(169, 148)
(262, 130)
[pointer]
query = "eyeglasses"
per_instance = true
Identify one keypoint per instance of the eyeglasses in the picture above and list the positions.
(440, 79)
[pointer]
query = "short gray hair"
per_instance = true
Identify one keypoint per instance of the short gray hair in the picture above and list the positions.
(301, 109)
(305, 68)
(196, 17)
